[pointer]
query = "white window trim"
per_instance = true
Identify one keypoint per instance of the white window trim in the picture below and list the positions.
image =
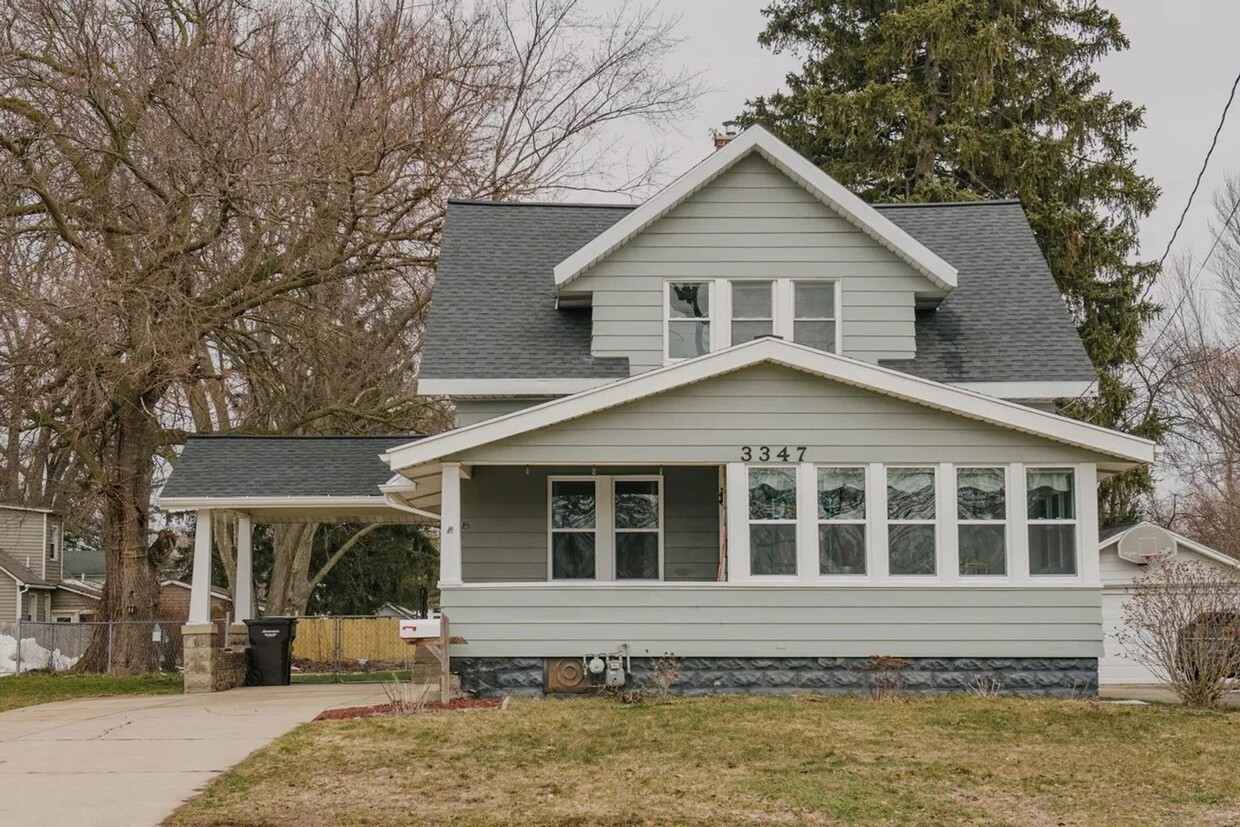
(783, 310)
(604, 526)
(936, 523)
(1075, 522)
(865, 522)
(1006, 522)
(798, 524)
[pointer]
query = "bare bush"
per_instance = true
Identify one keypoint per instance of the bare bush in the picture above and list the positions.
(406, 698)
(1182, 621)
(886, 675)
(654, 687)
(986, 686)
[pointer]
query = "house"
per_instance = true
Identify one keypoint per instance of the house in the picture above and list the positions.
(30, 560)
(1128, 552)
(76, 600)
(753, 421)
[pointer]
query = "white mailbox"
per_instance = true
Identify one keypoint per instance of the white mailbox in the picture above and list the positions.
(419, 629)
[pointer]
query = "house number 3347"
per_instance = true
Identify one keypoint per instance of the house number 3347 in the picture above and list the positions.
(769, 453)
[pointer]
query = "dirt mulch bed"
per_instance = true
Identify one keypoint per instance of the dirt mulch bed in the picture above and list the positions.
(349, 713)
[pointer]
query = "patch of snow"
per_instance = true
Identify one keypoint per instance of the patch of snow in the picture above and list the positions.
(33, 656)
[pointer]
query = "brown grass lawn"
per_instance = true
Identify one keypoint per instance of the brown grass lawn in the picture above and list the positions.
(799, 760)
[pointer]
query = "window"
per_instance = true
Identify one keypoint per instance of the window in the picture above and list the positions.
(1052, 521)
(637, 529)
(573, 534)
(688, 319)
(841, 521)
(981, 519)
(752, 310)
(910, 521)
(813, 314)
(773, 521)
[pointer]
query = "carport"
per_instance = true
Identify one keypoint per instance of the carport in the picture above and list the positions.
(279, 479)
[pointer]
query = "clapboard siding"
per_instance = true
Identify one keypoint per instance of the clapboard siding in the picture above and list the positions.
(504, 522)
(770, 405)
(752, 222)
(473, 411)
(22, 536)
(65, 602)
(8, 598)
(741, 621)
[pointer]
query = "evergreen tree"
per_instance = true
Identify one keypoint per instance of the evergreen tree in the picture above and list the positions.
(948, 100)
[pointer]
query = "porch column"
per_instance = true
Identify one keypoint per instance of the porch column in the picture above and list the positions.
(243, 600)
(200, 588)
(737, 478)
(450, 526)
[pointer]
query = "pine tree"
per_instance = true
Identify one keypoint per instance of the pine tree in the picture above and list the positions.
(948, 100)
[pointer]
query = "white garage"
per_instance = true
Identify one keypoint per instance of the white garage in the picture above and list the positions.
(1118, 573)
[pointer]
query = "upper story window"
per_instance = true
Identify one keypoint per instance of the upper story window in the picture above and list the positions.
(712, 314)
(1052, 521)
(688, 319)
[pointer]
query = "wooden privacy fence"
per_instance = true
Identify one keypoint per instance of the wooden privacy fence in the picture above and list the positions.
(351, 643)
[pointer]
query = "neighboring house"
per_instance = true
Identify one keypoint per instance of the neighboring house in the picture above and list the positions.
(1121, 548)
(754, 421)
(78, 600)
(30, 561)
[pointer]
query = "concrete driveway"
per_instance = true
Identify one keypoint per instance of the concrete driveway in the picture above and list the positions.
(132, 760)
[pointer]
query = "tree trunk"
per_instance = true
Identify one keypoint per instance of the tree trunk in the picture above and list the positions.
(131, 591)
(292, 545)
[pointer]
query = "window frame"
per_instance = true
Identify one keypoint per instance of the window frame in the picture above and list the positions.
(1075, 522)
(864, 522)
(795, 522)
(615, 530)
(1006, 522)
(604, 527)
(711, 317)
(719, 316)
(793, 318)
(935, 522)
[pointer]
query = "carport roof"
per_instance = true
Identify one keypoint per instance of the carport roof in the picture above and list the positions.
(281, 466)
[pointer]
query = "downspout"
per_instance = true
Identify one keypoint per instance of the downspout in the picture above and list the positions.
(21, 592)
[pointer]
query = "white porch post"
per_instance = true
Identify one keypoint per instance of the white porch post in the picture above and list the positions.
(450, 526)
(243, 600)
(738, 521)
(200, 589)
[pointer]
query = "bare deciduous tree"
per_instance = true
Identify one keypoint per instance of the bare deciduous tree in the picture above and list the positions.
(1182, 622)
(171, 172)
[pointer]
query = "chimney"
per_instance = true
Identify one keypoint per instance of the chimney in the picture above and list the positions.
(730, 130)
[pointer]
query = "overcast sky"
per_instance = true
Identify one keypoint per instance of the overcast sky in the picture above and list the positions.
(1180, 67)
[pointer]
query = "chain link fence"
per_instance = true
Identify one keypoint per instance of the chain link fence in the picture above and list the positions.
(156, 646)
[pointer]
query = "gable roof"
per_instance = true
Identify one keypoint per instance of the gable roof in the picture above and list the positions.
(20, 572)
(1129, 450)
(800, 169)
(237, 466)
(493, 309)
(493, 313)
(1112, 535)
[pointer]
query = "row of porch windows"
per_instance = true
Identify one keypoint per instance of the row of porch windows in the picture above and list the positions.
(612, 527)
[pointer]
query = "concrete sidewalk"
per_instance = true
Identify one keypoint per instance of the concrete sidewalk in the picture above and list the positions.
(132, 760)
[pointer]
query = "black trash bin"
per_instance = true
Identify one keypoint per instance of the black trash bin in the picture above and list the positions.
(271, 651)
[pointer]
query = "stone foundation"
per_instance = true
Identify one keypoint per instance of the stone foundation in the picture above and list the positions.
(1051, 677)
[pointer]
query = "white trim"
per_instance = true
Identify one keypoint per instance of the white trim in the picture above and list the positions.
(1191, 545)
(1028, 391)
(241, 503)
(756, 139)
(450, 525)
(1130, 450)
(200, 590)
(503, 388)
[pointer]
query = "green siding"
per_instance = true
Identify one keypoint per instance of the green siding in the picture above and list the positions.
(766, 621)
(752, 222)
(709, 421)
(504, 522)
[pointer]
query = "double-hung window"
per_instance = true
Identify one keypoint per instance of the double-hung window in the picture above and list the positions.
(813, 314)
(688, 319)
(753, 310)
(605, 528)
(841, 521)
(1052, 521)
(574, 529)
(773, 520)
(981, 521)
(911, 546)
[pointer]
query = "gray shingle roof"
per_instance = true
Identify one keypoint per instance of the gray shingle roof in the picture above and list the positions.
(281, 466)
(493, 313)
(21, 572)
